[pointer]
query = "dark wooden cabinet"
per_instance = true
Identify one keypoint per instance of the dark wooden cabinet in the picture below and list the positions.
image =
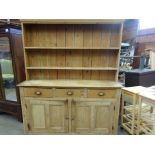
(12, 70)
(138, 77)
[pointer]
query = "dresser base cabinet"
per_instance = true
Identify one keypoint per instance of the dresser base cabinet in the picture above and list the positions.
(51, 110)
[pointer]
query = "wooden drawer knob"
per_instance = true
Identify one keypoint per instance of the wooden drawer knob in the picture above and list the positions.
(38, 93)
(101, 94)
(69, 93)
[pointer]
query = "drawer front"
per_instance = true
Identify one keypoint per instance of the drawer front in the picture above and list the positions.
(38, 92)
(69, 93)
(104, 93)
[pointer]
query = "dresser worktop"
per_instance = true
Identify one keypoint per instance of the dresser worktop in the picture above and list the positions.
(70, 83)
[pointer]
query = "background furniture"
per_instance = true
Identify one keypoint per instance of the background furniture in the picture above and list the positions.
(152, 58)
(138, 77)
(129, 108)
(146, 119)
(71, 73)
(12, 68)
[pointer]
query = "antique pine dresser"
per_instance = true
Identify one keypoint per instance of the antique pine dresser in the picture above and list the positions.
(71, 76)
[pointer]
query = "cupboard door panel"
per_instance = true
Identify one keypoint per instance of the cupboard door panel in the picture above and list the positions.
(35, 115)
(81, 117)
(58, 116)
(46, 116)
(94, 117)
(38, 115)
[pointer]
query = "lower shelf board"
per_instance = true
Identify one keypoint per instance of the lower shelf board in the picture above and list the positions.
(73, 68)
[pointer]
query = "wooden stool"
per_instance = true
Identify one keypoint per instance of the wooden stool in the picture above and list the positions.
(129, 109)
(146, 119)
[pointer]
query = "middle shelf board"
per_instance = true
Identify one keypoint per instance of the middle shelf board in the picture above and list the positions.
(73, 68)
(93, 48)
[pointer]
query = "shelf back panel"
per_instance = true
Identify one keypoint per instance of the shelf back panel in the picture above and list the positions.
(72, 35)
(72, 58)
(70, 75)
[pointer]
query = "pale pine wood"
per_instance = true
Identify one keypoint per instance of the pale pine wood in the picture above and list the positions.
(24, 36)
(152, 58)
(130, 94)
(86, 62)
(69, 93)
(70, 36)
(72, 21)
(36, 115)
(147, 98)
(115, 35)
(57, 116)
(61, 62)
(105, 93)
(76, 60)
(71, 84)
(97, 37)
(95, 63)
(38, 92)
(92, 116)
(71, 70)
(24, 111)
(87, 37)
(118, 56)
(106, 33)
(74, 48)
(63, 108)
(116, 112)
(46, 116)
(78, 36)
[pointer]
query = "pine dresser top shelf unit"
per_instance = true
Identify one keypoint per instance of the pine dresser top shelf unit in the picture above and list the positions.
(72, 49)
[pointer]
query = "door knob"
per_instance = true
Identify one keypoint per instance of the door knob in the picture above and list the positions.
(69, 93)
(101, 94)
(38, 93)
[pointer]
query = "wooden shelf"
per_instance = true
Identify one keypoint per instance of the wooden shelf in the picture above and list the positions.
(71, 83)
(135, 109)
(72, 51)
(72, 68)
(73, 21)
(92, 48)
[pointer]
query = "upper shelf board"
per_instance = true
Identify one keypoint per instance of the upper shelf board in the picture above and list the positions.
(72, 21)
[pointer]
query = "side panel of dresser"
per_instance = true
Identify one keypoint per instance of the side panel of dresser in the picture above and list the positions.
(116, 111)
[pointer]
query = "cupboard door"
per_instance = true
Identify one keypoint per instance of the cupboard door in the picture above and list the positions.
(46, 116)
(36, 115)
(94, 117)
(57, 116)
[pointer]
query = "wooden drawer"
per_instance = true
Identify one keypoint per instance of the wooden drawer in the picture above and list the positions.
(38, 92)
(69, 93)
(103, 93)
